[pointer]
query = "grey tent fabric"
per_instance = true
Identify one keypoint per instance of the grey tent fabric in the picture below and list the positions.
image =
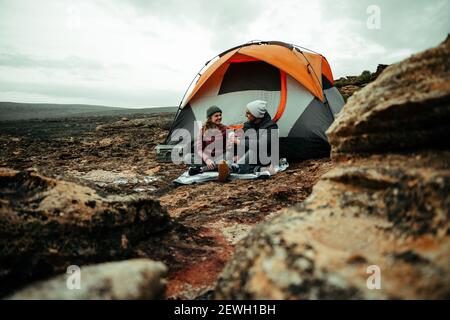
(233, 104)
(335, 100)
(313, 122)
(184, 120)
(307, 138)
(303, 120)
(298, 98)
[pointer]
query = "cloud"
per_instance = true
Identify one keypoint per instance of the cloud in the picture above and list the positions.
(70, 62)
(139, 52)
(100, 94)
(404, 24)
(225, 21)
(406, 27)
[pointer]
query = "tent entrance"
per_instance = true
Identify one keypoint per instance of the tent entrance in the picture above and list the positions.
(246, 73)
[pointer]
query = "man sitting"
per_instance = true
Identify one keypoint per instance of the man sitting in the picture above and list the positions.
(257, 134)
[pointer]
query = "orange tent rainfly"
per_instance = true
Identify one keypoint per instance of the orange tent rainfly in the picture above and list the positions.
(296, 83)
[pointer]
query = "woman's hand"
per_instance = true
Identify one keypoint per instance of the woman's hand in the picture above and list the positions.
(230, 143)
(210, 164)
(235, 140)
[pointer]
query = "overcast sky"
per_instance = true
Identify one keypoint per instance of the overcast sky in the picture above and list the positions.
(137, 53)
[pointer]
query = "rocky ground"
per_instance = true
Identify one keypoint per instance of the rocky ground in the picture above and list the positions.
(86, 191)
(72, 180)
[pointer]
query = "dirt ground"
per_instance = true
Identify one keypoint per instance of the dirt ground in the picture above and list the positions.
(116, 155)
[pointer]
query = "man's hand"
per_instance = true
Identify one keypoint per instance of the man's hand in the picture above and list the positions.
(210, 164)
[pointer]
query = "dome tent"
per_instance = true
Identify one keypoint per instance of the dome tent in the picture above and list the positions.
(296, 83)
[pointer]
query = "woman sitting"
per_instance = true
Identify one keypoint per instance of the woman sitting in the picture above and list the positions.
(211, 142)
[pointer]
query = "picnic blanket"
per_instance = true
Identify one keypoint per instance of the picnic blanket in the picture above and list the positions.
(185, 178)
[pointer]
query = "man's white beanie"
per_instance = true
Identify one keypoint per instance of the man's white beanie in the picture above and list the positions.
(257, 108)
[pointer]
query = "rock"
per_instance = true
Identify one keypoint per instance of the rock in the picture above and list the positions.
(130, 279)
(375, 212)
(131, 124)
(162, 137)
(380, 69)
(349, 85)
(48, 224)
(116, 180)
(407, 107)
(107, 142)
(107, 177)
(349, 90)
(153, 171)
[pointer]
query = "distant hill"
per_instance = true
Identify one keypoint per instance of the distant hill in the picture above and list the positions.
(347, 86)
(27, 111)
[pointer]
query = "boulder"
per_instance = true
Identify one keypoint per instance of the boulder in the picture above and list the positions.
(48, 224)
(406, 108)
(380, 69)
(349, 90)
(130, 279)
(377, 225)
(375, 212)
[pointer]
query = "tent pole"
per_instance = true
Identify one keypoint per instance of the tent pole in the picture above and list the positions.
(259, 42)
(184, 96)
